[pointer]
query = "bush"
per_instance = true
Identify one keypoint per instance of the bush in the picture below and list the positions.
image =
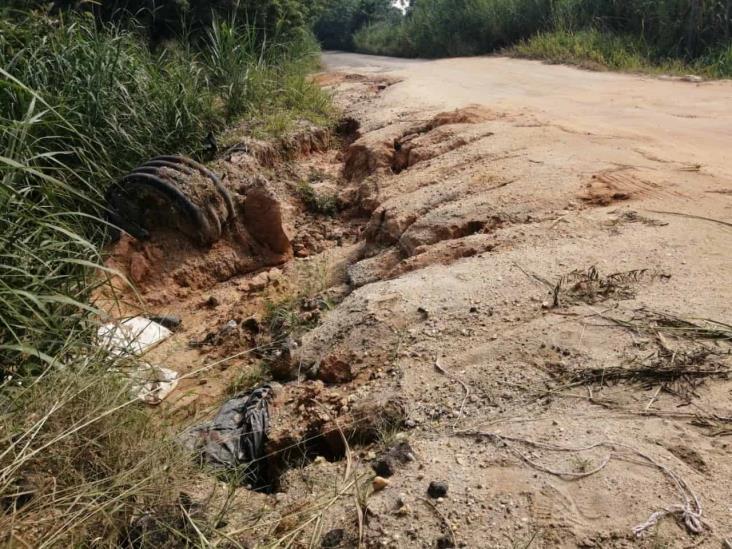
(274, 20)
(340, 20)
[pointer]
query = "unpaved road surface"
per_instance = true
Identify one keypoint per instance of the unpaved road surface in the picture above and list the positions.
(528, 281)
(682, 122)
(555, 171)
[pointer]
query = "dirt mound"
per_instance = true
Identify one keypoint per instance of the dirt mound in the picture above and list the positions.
(171, 264)
(472, 114)
(304, 140)
(312, 421)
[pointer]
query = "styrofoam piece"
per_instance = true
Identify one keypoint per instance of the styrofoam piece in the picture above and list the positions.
(132, 336)
(153, 383)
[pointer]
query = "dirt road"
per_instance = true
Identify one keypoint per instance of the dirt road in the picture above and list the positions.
(511, 278)
(529, 221)
(680, 121)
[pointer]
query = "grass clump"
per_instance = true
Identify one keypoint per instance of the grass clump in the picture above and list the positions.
(317, 203)
(596, 50)
(82, 461)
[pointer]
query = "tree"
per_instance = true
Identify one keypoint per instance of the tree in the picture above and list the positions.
(339, 20)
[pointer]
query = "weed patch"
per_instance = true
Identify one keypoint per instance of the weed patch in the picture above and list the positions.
(323, 204)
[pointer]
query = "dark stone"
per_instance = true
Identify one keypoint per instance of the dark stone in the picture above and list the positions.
(212, 302)
(171, 322)
(333, 538)
(384, 467)
(437, 489)
(386, 464)
(445, 542)
(335, 370)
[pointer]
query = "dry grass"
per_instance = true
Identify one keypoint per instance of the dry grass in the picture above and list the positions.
(83, 461)
(590, 286)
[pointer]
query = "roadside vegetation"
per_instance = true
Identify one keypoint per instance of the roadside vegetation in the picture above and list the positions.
(675, 36)
(86, 95)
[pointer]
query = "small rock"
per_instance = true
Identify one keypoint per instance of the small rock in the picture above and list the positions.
(384, 467)
(437, 489)
(212, 302)
(228, 328)
(404, 511)
(379, 483)
(169, 321)
(333, 538)
(335, 370)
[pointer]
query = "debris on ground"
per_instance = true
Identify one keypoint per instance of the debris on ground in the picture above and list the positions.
(234, 441)
(152, 384)
(437, 489)
(387, 463)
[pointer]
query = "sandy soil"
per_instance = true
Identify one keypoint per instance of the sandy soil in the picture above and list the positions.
(521, 281)
(567, 170)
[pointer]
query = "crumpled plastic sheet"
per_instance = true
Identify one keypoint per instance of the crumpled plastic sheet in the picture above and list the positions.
(236, 438)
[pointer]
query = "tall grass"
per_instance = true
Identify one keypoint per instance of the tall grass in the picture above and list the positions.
(82, 463)
(671, 33)
(83, 103)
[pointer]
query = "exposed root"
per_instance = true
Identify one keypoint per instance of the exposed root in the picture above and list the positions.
(688, 368)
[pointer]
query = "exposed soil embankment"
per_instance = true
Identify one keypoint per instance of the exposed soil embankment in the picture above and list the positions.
(492, 311)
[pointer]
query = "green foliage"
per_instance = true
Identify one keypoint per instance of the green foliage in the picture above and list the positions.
(594, 49)
(274, 20)
(650, 32)
(82, 103)
(340, 20)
